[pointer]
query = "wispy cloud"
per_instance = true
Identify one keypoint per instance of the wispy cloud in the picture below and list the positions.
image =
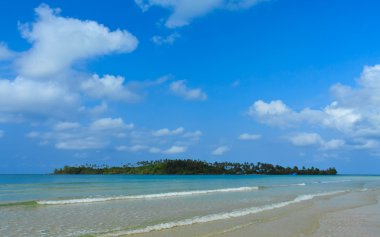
(167, 132)
(175, 150)
(180, 88)
(184, 11)
(220, 150)
(169, 39)
(247, 136)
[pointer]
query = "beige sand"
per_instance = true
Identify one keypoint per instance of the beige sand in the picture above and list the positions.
(362, 221)
(350, 214)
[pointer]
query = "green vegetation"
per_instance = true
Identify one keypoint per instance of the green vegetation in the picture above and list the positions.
(193, 167)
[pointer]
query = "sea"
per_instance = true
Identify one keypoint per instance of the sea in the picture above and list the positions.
(118, 205)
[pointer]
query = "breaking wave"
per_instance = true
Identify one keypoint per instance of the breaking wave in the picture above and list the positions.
(146, 196)
(219, 216)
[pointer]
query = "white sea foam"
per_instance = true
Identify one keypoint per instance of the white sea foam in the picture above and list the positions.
(219, 216)
(146, 196)
(288, 185)
(332, 181)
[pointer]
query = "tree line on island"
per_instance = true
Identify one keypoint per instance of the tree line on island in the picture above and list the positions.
(189, 167)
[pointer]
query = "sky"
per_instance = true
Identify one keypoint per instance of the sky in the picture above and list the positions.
(118, 81)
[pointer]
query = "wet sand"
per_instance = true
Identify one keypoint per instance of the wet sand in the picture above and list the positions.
(355, 213)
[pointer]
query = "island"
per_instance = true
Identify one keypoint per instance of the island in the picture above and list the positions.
(192, 167)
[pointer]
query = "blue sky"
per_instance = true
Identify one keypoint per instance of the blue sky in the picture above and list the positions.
(112, 82)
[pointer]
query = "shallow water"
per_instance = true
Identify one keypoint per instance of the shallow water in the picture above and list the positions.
(69, 205)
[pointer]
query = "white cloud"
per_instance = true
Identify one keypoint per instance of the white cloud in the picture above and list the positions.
(167, 132)
(1, 133)
(134, 148)
(114, 133)
(276, 107)
(5, 53)
(314, 139)
(33, 134)
(160, 40)
(247, 136)
(84, 143)
(175, 150)
(220, 150)
(48, 84)
(333, 144)
(276, 113)
(108, 87)
(110, 124)
(184, 11)
(26, 96)
(306, 139)
(66, 125)
(354, 113)
(193, 135)
(366, 144)
(179, 88)
(99, 134)
(58, 42)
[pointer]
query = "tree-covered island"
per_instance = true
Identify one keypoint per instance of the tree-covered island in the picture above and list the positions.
(188, 167)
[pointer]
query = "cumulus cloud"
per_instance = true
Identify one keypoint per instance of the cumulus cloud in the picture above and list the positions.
(160, 40)
(66, 126)
(247, 136)
(180, 88)
(306, 139)
(58, 42)
(110, 123)
(108, 87)
(48, 85)
(276, 107)
(27, 96)
(167, 132)
(314, 139)
(354, 113)
(5, 52)
(220, 150)
(175, 150)
(276, 113)
(184, 11)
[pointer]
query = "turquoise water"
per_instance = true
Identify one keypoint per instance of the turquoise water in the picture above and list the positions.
(69, 205)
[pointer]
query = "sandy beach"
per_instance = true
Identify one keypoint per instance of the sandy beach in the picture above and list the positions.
(348, 214)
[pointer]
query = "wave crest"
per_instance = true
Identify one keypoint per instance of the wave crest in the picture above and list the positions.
(219, 216)
(146, 196)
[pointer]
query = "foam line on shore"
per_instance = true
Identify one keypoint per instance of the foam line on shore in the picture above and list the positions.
(219, 216)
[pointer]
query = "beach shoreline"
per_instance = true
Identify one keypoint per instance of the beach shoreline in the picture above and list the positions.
(347, 214)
